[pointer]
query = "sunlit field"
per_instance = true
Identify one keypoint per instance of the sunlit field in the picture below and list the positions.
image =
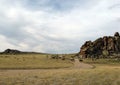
(32, 61)
(39, 69)
(101, 75)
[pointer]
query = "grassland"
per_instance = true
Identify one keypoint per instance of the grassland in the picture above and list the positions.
(33, 61)
(106, 61)
(102, 74)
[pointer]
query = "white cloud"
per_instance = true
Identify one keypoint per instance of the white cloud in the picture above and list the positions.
(4, 43)
(52, 31)
(23, 46)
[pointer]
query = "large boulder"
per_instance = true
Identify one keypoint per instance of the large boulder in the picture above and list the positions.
(107, 45)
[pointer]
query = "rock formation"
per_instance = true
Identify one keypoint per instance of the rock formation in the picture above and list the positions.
(107, 45)
(11, 51)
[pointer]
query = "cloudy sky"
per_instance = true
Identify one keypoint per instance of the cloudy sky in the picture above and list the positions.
(56, 26)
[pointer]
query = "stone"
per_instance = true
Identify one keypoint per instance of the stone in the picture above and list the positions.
(109, 44)
(11, 51)
(117, 34)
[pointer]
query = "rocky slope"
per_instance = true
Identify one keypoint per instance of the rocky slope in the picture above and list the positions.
(11, 51)
(107, 45)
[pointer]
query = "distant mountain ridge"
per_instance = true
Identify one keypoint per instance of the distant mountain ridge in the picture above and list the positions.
(14, 51)
(107, 45)
(11, 51)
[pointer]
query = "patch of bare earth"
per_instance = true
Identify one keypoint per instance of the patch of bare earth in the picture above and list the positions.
(81, 65)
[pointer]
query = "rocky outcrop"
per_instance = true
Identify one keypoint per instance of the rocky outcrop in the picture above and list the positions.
(11, 51)
(107, 45)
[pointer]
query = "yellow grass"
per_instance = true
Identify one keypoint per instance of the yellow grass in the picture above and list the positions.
(103, 61)
(31, 61)
(102, 75)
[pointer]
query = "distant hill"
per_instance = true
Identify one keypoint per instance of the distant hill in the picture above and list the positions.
(13, 51)
(105, 46)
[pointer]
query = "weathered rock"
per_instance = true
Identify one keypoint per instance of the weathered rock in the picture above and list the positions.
(117, 34)
(107, 45)
(11, 51)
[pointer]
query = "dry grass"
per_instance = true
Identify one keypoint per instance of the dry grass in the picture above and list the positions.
(103, 61)
(35, 61)
(102, 75)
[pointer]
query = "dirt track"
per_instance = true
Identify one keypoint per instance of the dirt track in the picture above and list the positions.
(81, 65)
(77, 65)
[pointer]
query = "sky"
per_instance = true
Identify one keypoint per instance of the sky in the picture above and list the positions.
(56, 26)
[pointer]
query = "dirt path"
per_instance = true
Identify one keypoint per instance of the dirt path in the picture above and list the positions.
(81, 65)
(77, 65)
